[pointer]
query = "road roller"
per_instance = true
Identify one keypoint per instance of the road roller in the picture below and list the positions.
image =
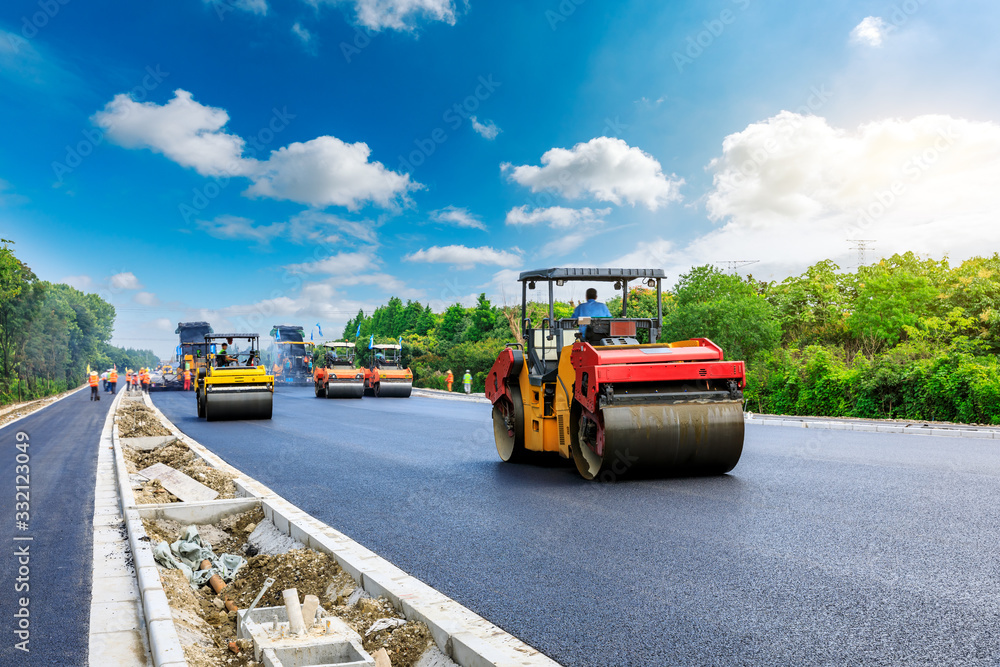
(234, 384)
(586, 389)
(386, 376)
(335, 375)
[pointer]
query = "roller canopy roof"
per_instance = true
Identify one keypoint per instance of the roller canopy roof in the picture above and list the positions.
(233, 335)
(591, 274)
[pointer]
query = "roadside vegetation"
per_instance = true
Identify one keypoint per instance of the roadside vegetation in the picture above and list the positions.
(50, 332)
(906, 338)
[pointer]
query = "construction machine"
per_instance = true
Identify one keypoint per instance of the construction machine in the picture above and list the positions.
(234, 384)
(586, 389)
(293, 355)
(192, 354)
(335, 375)
(385, 376)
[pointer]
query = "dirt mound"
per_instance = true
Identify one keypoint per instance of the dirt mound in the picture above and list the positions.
(178, 455)
(135, 420)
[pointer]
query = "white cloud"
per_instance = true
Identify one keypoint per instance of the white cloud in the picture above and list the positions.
(399, 14)
(304, 35)
(487, 130)
(82, 283)
(311, 227)
(870, 32)
(231, 227)
(792, 190)
(604, 168)
(329, 172)
(464, 256)
(162, 324)
(146, 299)
(557, 217)
(125, 280)
(322, 172)
(183, 130)
(339, 264)
(458, 217)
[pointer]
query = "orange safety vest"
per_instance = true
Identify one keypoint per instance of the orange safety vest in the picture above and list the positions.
(113, 376)
(187, 375)
(128, 376)
(145, 377)
(93, 380)
(451, 377)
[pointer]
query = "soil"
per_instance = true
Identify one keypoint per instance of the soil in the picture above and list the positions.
(177, 455)
(308, 571)
(135, 420)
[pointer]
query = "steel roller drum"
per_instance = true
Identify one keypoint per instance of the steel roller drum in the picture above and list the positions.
(693, 438)
(394, 389)
(244, 404)
(345, 389)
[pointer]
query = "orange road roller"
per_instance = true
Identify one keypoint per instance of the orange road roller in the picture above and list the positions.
(585, 388)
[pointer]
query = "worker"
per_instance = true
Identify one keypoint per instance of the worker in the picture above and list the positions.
(467, 381)
(187, 380)
(145, 380)
(590, 308)
(104, 380)
(450, 378)
(113, 380)
(94, 380)
(128, 378)
(222, 358)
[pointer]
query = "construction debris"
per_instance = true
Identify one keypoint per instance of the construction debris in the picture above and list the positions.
(135, 420)
(179, 484)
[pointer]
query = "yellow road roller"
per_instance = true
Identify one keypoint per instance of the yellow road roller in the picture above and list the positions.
(234, 384)
(585, 388)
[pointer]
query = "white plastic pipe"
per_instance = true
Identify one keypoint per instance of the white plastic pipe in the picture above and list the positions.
(309, 610)
(295, 624)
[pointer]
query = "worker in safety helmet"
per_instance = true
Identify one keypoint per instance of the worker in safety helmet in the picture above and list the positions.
(450, 378)
(222, 357)
(187, 379)
(467, 381)
(93, 380)
(590, 308)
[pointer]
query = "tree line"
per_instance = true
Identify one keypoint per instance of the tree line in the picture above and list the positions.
(905, 338)
(51, 332)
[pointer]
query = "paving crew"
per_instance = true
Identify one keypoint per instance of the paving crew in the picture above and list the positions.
(113, 380)
(104, 380)
(145, 380)
(187, 379)
(128, 378)
(467, 380)
(93, 379)
(450, 378)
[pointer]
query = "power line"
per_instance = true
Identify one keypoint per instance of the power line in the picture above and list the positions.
(862, 246)
(732, 264)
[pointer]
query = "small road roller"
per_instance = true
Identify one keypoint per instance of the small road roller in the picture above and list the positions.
(335, 375)
(586, 389)
(385, 376)
(234, 384)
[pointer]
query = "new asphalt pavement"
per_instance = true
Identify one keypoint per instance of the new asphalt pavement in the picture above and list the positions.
(57, 493)
(821, 547)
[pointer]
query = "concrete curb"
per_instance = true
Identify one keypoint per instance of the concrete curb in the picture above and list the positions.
(874, 426)
(66, 395)
(164, 644)
(467, 638)
(450, 395)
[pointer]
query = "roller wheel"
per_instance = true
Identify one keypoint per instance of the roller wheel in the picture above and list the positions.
(320, 391)
(378, 390)
(200, 402)
(508, 427)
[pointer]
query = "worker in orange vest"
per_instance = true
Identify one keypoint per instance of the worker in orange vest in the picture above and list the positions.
(128, 379)
(93, 380)
(187, 379)
(145, 380)
(450, 379)
(113, 380)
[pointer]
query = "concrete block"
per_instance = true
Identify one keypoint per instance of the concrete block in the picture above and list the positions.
(164, 645)
(869, 428)
(155, 607)
(148, 578)
(200, 513)
(981, 435)
(179, 484)
(147, 444)
(889, 429)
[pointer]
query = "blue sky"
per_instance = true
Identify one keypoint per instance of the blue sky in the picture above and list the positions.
(252, 162)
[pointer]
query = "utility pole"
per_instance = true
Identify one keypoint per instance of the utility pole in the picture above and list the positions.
(732, 264)
(862, 246)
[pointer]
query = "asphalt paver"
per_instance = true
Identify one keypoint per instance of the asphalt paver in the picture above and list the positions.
(821, 547)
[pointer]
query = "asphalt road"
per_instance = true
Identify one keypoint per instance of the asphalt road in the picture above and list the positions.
(820, 547)
(63, 440)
